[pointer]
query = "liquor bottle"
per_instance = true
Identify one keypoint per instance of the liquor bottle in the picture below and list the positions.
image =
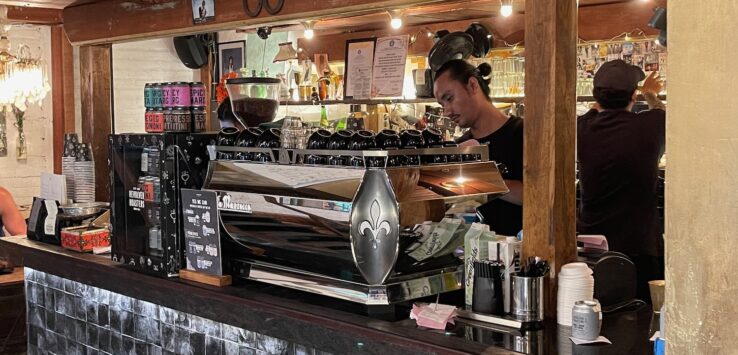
(324, 117)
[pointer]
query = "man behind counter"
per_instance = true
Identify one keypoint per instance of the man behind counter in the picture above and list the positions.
(464, 93)
(618, 153)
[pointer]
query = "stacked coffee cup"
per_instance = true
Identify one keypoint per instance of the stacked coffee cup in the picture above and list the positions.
(575, 284)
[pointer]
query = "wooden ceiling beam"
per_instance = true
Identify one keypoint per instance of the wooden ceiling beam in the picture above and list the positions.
(120, 20)
(34, 15)
(594, 23)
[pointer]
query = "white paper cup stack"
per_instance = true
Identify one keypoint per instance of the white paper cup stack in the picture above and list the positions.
(68, 164)
(575, 284)
(84, 181)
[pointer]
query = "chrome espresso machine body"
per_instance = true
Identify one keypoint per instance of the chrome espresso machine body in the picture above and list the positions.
(343, 230)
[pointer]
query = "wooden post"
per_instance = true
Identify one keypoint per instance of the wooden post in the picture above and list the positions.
(206, 77)
(62, 91)
(97, 111)
(549, 220)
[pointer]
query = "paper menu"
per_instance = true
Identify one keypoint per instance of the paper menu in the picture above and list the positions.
(54, 187)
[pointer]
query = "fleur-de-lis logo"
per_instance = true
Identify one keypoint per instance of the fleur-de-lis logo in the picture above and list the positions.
(374, 226)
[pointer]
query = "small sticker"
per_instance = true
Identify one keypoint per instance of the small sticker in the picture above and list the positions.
(145, 161)
(377, 297)
(420, 77)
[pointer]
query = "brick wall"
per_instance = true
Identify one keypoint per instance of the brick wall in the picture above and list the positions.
(138, 63)
(21, 177)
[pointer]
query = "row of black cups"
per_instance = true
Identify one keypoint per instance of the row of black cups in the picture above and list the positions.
(322, 139)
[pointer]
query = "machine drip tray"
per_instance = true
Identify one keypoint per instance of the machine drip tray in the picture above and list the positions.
(394, 291)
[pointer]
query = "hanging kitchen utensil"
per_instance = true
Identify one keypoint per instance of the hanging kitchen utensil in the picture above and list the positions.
(482, 38)
(455, 45)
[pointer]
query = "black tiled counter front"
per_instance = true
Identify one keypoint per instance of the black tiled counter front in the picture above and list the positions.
(86, 304)
(61, 285)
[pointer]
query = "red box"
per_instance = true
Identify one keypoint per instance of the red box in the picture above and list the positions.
(83, 239)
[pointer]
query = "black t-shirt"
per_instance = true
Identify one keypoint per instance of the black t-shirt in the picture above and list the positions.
(618, 153)
(505, 147)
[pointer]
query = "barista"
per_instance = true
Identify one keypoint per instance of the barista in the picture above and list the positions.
(619, 153)
(463, 91)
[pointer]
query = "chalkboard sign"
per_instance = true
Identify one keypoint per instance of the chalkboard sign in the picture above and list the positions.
(202, 233)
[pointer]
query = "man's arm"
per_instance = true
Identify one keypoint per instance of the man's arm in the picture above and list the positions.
(12, 219)
(654, 101)
(515, 196)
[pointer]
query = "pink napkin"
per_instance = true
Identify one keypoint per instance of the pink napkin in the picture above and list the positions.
(594, 241)
(434, 316)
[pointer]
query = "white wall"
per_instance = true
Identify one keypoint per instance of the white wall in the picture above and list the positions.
(21, 177)
(134, 65)
(702, 173)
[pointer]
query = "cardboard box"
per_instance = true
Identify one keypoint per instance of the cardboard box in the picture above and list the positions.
(507, 250)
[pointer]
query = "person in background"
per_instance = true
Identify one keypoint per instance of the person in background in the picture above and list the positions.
(12, 220)
(464, 93)
(226, 116)
(619, 153)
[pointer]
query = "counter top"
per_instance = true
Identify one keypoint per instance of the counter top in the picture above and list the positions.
(317, 321)
(13, 278)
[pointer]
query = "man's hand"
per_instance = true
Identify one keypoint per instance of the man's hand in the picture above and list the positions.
(653, 84)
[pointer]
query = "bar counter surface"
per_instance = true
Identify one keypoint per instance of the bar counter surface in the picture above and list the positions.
(301, 322)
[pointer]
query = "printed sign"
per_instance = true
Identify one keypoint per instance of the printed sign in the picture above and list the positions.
(389, 66)
(202, 233)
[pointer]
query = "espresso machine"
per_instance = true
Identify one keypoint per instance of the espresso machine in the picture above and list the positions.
(338, 217)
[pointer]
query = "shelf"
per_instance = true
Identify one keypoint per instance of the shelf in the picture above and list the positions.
(592, 99)
(429, 100)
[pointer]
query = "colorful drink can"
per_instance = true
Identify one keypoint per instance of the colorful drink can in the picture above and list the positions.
(154, 120)
(149, 96)
(197, 94)
(198, 119)
(179, 94)
(177, 120)
(148, 189)
(166, 90)
(157, 91)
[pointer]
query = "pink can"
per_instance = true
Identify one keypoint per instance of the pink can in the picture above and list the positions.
(180, 95)
(197, 94)
(166, 94)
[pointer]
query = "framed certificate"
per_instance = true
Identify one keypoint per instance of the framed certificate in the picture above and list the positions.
(388, 74)
(357, 74)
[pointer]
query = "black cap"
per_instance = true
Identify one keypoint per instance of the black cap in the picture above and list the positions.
(618, 75)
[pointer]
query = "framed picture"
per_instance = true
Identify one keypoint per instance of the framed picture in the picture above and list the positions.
(357, 74)
(203, 11)
(231, 57)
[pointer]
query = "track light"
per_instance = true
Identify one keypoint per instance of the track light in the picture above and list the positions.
(506, 8)
(309, 31)
(396, 16)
